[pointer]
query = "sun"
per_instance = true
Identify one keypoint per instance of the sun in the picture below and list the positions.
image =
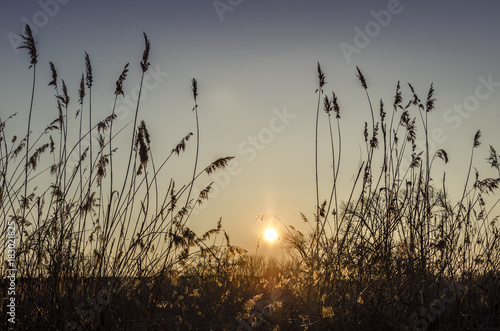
(271, 234)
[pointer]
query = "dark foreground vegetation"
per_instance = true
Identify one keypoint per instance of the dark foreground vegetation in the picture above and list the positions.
(97, 252)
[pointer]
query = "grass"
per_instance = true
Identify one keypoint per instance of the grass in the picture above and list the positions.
(95, 251)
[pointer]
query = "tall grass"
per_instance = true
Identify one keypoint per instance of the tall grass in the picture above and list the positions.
(397, 239)
(99, 251)
(79, 239)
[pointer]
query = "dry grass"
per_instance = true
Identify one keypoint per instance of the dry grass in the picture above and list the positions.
(97, 252)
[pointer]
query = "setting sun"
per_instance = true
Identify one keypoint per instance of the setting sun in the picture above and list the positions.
(271, 234)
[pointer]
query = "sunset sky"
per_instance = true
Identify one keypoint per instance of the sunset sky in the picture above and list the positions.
(255, 62)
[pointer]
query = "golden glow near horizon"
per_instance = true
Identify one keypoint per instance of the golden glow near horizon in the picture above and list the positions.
(271, 235)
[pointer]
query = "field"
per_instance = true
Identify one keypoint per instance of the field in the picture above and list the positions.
(90, 247)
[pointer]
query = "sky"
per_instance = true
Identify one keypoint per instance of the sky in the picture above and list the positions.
(255, 63)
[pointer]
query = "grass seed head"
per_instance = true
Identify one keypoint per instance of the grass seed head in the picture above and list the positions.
(29, 44)
(194, 88)
(477, 136)
(398, 99)
(120, 80)
(88, 69)
(145, 56)
(429, 104)
(81, 91)
(321, 79)
(220, 163)
(361, 78)
(53, 71)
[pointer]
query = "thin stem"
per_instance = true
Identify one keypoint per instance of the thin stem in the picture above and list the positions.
(195, 94)
(90, 137)
(28, 148)
(316, 163)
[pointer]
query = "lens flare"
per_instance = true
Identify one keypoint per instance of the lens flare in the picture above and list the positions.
(271, 234)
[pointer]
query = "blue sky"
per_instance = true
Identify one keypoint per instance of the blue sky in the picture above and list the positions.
(254, 60)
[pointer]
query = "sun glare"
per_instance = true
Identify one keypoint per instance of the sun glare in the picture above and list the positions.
(271, 234)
